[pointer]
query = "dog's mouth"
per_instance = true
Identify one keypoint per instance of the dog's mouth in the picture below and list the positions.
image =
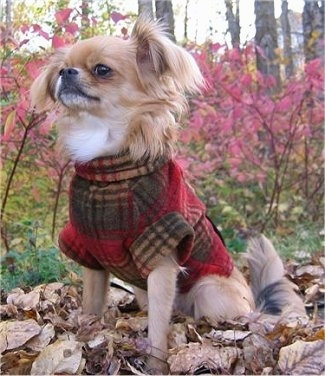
(71, 93)
(74, 96)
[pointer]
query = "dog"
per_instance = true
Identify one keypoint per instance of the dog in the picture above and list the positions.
(132, 213)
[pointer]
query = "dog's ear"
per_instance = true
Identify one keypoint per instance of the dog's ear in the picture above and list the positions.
(157, 56)
(42, 89)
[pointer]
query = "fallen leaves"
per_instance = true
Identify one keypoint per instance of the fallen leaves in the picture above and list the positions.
(193, 357)
(43, 331)
(303, 358)
(258, 353)
(39, 342)
(14, 334)
(62, 357)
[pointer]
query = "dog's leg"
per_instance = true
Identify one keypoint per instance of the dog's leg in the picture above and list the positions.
(142, 298)
(95, 286)
(161, 294)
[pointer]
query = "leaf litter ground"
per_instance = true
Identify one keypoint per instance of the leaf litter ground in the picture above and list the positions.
(43, 332)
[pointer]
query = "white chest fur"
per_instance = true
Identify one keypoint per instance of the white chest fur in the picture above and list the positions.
(87, 137)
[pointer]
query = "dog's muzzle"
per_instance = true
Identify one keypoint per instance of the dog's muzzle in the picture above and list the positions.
(69, 89)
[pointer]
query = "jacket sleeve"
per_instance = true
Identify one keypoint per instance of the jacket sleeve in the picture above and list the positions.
(170, 233)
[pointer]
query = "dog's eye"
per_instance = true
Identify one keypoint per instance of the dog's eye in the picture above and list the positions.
(102, 70)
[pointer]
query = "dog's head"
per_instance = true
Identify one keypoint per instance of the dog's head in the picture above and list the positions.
(125, 92)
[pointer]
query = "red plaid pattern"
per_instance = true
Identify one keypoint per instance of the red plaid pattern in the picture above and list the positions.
(126, 216)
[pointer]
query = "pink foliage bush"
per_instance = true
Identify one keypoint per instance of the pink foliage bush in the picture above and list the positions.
(247, 131)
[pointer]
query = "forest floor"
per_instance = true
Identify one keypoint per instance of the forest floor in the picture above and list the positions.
(43, 332)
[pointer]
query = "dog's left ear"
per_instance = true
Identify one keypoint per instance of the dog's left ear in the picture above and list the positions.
(157, 56)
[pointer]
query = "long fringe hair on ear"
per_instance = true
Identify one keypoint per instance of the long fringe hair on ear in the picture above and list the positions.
(167, 72)
(159, 56)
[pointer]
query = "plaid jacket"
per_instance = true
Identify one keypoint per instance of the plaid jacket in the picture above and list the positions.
(126, 216)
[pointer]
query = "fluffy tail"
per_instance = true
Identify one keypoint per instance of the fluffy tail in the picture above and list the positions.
(273, 293)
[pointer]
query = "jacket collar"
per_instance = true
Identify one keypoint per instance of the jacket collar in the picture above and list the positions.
(118, 167)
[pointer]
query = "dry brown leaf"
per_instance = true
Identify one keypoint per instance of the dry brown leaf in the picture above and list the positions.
(191, 357)
(119, 297)
(105, 336)
(26, 301)
(303, 358)
(14, 334)
(312, 270)
(51, 291)
(135, 324)
(258, 353)
(284, 334)
(193, 335)
(114, 366)
(8, 310)
(17, 362)
(43, 339)
(177, 335)
(132, 369)
(228, 336)
(319, 334)
(62, 357)
(58, 321)
(311, 293)
(97, 341)
(89, 326)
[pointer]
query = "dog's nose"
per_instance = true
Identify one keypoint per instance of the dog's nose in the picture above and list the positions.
(68, 72)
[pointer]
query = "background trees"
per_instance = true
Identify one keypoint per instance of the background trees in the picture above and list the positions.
(286, 30)
(266, 38)
(253, 141)
(164, 11)
(233, 21)
(313, 26)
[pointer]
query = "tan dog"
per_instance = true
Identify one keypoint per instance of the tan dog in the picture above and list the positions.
(131, 211)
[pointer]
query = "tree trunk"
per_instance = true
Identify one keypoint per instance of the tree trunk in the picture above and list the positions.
(164, 12)
(286, 32)
(186, 21)
(313, 28)
(266, 38)
(233, 22)
(145, 7)
(8, 16)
